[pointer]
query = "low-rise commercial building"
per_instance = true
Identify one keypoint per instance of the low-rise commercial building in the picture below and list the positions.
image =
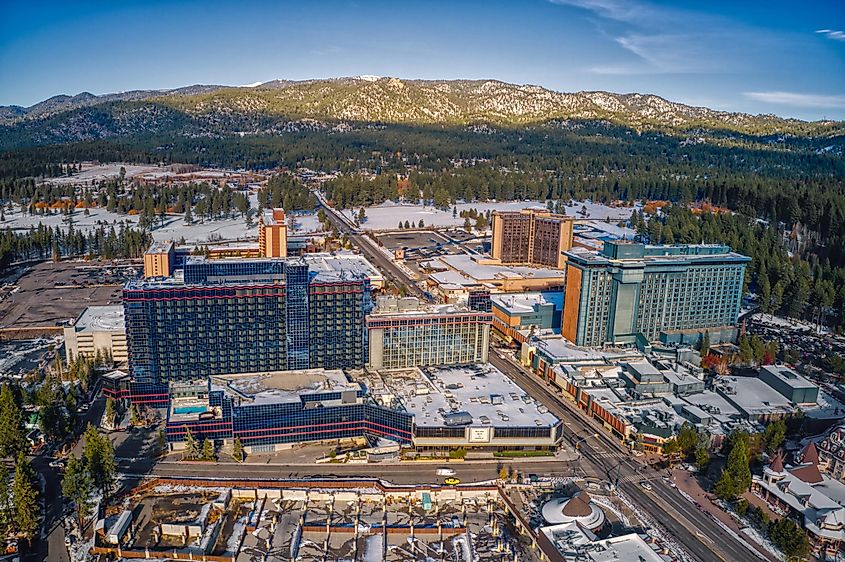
(514, 313)
(98, 330)
(270, 410)
(469, 406)
(453, 277)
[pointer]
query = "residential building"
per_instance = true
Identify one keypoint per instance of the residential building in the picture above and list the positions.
(831, 452)
(272, 234)
(815, 500)
(403, 334)
(159, 259)
(99, 329)
(531, 237)
(248, 315)
(671, 293)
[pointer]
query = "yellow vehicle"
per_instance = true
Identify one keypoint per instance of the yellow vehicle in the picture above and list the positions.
(451, 481)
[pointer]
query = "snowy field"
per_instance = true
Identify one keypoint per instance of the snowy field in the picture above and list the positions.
(387, 215)
(21, 221)
(174, 227)
(93, 174)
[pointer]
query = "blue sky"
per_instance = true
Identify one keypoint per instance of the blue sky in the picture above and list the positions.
(777, 57)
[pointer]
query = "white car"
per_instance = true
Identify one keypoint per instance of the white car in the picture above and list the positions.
(445, 472)
(645, 485)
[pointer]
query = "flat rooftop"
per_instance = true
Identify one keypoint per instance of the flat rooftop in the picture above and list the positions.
(479, 272)
(788, 376)
(101, 319)
(341, 266)
(753, 396)
(714, 404)
(614, 252)
(283, 386)
(482, 391)
(385, 309)
(324, 268)
(562, 350)
(524, 303)
(160, 247)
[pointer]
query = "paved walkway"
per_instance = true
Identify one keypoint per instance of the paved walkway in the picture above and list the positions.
(687, 482)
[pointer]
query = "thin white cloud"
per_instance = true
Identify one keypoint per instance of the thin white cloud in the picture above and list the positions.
(832, 34)
(668, 40)
(619, 10)
(795, 99)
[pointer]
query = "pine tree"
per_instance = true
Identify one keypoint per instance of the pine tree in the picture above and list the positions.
(207, 450)
(110, 412)
(6, 515)
(705, 343)
(238, 450)
(192, 448)
(78, 486)
(189, 218)
(12, 434)
(98, 452)
(25, 499)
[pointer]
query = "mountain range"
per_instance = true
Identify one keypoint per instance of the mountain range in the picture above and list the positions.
(280, 105)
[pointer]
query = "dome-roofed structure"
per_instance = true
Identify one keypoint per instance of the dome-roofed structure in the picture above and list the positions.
(578, 509)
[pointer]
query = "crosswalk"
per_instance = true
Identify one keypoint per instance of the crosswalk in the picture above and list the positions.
(612, 455)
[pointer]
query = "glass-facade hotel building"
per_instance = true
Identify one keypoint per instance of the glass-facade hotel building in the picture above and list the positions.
(661, 292)
(247, 315)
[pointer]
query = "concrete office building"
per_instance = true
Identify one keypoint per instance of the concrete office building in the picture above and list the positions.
(98, 329)
(531, 237)
(670, 293)
(403, 334)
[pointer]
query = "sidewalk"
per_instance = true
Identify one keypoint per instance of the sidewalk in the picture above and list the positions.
(687, 483)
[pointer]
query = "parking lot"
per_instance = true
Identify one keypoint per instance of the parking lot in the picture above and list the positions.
(50, 294)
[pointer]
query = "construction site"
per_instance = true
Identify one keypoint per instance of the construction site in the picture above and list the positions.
(309, 521)
(527, 520)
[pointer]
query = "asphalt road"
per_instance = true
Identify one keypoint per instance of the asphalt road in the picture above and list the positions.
(399, 473)
(52, 548)
(376, 257)
(695, 530)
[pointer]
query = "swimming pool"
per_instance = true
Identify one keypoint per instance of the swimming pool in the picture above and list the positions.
(189, 409)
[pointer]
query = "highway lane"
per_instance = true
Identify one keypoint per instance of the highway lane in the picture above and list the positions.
(396, 473)
(366, 247)
(691, 527)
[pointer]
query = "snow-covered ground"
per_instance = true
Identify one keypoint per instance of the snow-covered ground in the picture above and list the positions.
(388, 214)
(204, 232)
(17, 220)
(772, 320)
(93, 174)
(174, 227)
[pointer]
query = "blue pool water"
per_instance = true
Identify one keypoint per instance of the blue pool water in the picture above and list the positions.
(189, 409)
